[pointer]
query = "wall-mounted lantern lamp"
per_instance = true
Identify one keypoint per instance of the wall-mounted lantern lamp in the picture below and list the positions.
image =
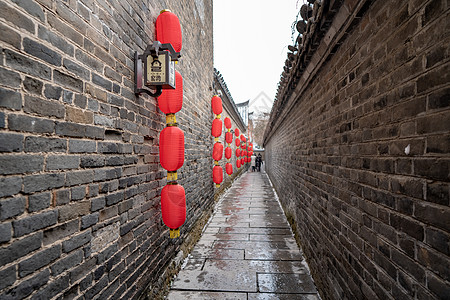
(155, 69)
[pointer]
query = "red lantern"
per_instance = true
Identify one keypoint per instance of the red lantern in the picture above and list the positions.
(242, 138)
(228, 137)
(236, 132)
(171, 100)
(217, 151)
(173, 207)
(237, 142)
(168, 30)
(216, 129)
(217, 175)
(227, 123)
(227, 152)
(229, 168)
(171, 148)
(216, 104)
(242, 161)
(238, 163)
(238, 152)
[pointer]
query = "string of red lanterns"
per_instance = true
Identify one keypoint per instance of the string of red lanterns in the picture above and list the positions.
(228, 140)
(237, 142)
(216, 131)
(171, 138)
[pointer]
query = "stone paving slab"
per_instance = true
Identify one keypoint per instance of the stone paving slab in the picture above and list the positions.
(195, 295)
(286, 283)
(247, 251)
(273, 296)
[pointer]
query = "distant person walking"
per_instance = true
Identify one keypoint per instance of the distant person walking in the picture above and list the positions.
(253, 163)
(259, 162)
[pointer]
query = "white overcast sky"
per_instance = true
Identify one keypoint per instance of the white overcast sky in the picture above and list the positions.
(250, 44)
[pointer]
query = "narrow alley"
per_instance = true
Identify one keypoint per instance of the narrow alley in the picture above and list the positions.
(247, 250)
(128, 129)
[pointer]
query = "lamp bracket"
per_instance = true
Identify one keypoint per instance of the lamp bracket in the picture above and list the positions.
(154, 50)
(156, 47)
(138, 88)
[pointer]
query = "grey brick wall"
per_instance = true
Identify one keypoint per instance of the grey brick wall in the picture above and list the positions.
(79, 165)
(373, 220)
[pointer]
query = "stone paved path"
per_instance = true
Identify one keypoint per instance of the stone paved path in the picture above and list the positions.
(247, 250)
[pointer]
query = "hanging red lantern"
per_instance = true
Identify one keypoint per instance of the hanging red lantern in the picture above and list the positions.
(168, 29)
(237, 142)
(216, 129)
(216, 104)
(238, 163)
(217, 175)
(228, 137)
(227, 152)
(236, 132)
(173, 207)
(171, 100)
(242, 138)
(242, 161)
(217, 151)
(227, 123)
(238, 152)
(229, 168)
(171, 148)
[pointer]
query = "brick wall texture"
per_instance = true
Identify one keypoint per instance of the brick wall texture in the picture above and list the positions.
(374, 221)
(80, 177)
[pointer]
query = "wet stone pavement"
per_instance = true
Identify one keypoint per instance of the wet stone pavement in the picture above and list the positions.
(247, 250)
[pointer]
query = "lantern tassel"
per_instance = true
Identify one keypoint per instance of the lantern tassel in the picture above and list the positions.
(172, 176)
(174, 233)
(171, 120)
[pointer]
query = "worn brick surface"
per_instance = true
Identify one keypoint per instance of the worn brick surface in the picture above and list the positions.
(372, 218)
(80, 178)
